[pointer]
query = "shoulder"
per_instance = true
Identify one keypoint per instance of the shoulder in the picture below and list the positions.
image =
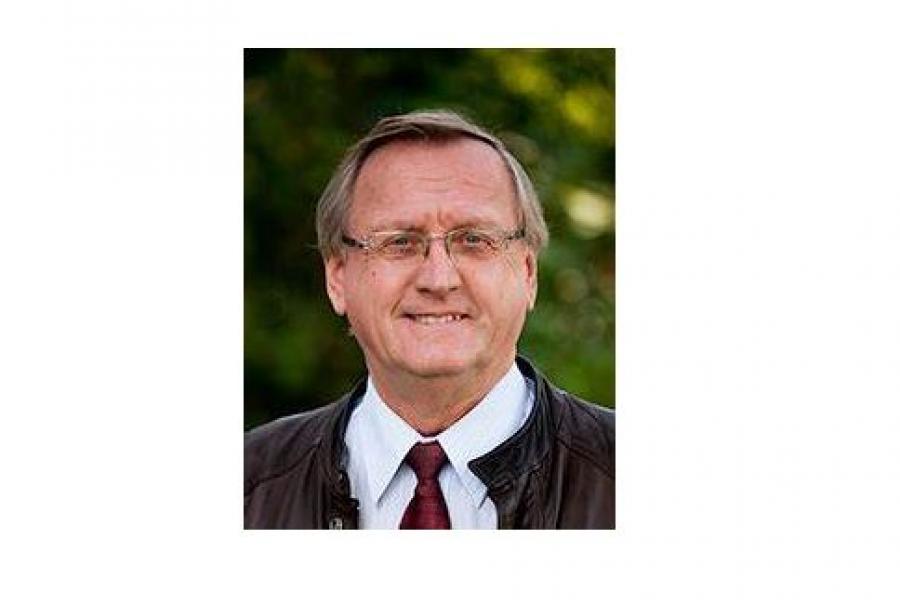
(588, 430)
(274, 448)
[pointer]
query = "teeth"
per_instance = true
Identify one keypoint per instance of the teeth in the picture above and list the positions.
(434, 319)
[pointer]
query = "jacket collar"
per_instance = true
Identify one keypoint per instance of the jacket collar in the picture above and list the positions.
(498, 469)
(525, 450)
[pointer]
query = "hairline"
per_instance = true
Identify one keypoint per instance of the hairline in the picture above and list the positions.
(434, 141)
(337, 201)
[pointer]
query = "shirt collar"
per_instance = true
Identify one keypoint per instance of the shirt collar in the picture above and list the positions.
(493, 420)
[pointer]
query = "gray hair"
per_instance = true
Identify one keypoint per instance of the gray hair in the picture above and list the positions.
(334, 205)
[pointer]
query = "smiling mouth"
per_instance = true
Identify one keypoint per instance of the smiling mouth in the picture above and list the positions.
(435, 319)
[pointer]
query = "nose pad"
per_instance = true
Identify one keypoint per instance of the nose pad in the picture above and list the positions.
(442, 244)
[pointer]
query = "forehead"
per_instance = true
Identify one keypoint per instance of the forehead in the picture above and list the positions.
(407, 182)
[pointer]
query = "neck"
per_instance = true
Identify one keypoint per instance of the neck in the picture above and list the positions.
(432, 404)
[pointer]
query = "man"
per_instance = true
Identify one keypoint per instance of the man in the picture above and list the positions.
(430, 232)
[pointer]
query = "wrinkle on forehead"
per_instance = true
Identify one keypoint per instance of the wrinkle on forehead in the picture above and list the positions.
(411, 175)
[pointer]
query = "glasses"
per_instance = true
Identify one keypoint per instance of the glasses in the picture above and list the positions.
(462, 245)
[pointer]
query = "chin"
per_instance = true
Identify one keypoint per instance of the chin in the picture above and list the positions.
(445, 365)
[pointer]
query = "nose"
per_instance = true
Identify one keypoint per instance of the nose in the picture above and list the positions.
(438, 273)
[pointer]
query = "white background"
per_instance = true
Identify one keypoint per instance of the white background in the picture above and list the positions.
(758, 332)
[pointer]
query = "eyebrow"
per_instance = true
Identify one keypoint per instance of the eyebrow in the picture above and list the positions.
(401, 225)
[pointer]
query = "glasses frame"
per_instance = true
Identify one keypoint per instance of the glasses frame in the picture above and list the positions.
(368, 245)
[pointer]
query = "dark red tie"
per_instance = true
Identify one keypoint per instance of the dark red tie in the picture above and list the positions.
(427, 509)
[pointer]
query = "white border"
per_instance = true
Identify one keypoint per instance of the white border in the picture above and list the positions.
(758, 329)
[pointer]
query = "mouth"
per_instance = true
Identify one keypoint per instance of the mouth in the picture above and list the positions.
(435, 318)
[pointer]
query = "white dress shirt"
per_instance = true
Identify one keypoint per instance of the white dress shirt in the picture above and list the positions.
(377, 441)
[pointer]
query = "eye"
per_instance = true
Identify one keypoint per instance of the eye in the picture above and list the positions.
(399, 241)
(476, 238)
(400, 245)
(471, 240)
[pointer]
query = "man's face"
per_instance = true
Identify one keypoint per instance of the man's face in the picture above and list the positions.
(399, 310)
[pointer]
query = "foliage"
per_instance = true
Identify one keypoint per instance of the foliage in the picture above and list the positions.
(553, 108)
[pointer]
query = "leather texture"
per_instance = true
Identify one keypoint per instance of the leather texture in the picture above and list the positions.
(556, 472)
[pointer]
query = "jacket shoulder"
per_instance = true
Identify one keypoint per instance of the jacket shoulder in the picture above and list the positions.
(588, 430)
(274, 448)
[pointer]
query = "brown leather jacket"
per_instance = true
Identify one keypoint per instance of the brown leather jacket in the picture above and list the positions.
(556, 472)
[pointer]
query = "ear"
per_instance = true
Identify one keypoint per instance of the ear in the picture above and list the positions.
(334, 283)
(531, 278)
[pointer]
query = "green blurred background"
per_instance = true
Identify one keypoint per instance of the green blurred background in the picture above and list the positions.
(555, 110)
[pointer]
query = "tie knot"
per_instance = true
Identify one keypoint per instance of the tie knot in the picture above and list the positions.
(426, 460)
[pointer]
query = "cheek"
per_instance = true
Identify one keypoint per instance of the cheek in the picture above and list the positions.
(373, 292)
(506, 287)
(502, 300)
(363, 280)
